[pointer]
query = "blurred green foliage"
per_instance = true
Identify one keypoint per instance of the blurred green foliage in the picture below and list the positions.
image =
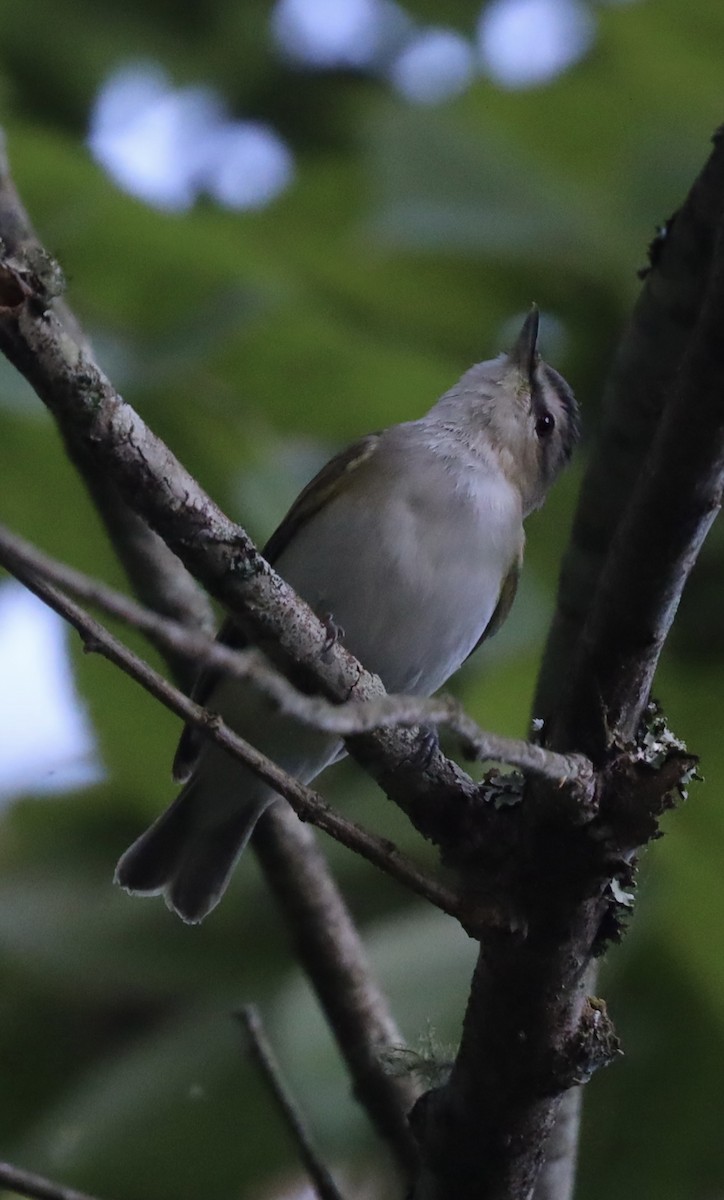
(255, 343)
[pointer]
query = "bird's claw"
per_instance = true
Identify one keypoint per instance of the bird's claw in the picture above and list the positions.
(427, 746)
(335, 633)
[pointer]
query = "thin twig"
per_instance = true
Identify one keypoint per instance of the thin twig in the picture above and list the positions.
(265, 1059)
(354, 717)
(308, 805)
(25, 1183)
(325, 941)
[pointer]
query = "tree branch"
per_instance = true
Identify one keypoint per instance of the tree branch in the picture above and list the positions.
(326, 943)
(160, 579)
(24, 1183)
(155, 573)
(529, 1032)
(528, 1014)
(354, 717)
(264, 1056)
(215, 550)
(649, 356)
(308, 805)
(656, 544)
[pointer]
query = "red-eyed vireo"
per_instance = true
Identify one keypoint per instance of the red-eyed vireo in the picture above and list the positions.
(412, 541)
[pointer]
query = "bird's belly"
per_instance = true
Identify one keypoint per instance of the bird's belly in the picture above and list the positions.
(415, 627)
(411, 607)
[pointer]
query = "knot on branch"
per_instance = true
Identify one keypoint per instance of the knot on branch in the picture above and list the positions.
(595, 1044)
(506, 802)
(32, 276)
(527, 850)
(524, 849)
(13, 291)
(642, 782)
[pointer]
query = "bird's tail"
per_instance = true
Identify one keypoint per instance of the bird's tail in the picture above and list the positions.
(186, 860)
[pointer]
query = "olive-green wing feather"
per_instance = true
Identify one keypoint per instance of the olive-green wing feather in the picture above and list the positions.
(318, 491)
(505, 602)
(309, 501)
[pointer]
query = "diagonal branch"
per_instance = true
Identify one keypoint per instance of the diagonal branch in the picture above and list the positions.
(214, 549)
(529, 1033)
(322, 1181)
(36, 1187)
(354, 717)
(311, 903)
(327, 945)
(308, 805)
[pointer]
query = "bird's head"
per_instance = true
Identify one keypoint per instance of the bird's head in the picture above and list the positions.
(522, 409)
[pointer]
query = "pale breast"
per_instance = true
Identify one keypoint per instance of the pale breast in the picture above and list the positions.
(409, 565)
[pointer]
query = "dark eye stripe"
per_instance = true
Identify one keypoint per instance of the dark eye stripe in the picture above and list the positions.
(548, 381)
(561, 389)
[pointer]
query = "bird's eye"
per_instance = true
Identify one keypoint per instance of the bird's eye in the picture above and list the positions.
(545, 425)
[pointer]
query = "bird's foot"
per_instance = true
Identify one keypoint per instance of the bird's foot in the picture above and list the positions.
(427, 746)
(335, 633)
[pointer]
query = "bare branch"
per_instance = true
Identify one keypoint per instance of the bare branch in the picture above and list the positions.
(354, 717)
(329, 946)
(214, 549)
(657, 543)
(323, 1183)
(156, 574)
(648, 358)
(529, 1018)
(160, 579)
(25, 1183)
(650, 355)
(308, 805)
(326, 942)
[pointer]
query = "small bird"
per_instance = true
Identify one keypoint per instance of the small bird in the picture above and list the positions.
(411, 542)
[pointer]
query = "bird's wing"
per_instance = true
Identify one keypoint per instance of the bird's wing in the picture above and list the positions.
(184, 760)
(316, 494)
(505, 600)
(309, 501)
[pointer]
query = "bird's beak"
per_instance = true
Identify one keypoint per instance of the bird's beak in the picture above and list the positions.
(524, 353)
